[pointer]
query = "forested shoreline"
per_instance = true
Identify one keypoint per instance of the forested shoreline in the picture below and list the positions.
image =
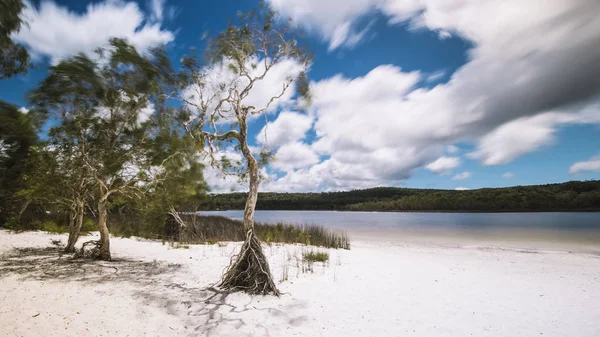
(568, 196)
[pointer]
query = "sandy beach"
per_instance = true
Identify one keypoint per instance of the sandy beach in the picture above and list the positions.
(378, 288)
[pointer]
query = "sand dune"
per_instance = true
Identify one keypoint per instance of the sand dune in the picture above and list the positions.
(378, 288)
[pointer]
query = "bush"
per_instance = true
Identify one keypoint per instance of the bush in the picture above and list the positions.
(89, 225)
(312, 256)
(52, 227)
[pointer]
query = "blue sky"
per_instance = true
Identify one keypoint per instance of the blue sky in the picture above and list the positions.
(428, 93)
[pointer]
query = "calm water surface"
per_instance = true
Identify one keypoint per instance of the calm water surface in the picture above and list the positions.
(567, 230)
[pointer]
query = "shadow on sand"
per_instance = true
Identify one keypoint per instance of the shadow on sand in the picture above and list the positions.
(204, 311)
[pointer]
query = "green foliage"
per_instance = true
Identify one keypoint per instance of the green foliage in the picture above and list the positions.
(14, 58)
(17, 136)
(54, 228)
(569, 196)
(88, 225)
(312, 256)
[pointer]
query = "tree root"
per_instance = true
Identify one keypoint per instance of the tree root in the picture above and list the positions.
(250, 271)
(92, 253)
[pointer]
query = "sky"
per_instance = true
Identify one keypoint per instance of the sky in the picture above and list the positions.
(449, 94)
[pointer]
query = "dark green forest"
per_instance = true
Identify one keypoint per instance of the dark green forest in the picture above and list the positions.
(568, 196)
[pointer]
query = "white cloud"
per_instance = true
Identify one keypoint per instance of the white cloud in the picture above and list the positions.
(334, 21)
(146, 112)
(531, 70)
(157, 7)
(24, 110)
(294, 156)
(462, 188)
(444, 165)
(56, 32)
(462, 176)
(452, 149)
(220, 75)
(509, 175)
(444, 35)
(287, 128)
(591, 165)
(436, 76)
(528, 134)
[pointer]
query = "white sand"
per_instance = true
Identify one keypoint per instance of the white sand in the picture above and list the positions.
(376, 289)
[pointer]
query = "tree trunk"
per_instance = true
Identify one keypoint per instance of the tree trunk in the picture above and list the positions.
(22, 210)
(250, 270)
(104, 247)
(75, 223)
(252, 195)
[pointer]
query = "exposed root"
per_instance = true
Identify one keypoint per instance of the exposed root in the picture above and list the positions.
(250, 271)
(95, 252)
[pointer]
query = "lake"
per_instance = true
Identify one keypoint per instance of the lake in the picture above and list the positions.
(558, 230)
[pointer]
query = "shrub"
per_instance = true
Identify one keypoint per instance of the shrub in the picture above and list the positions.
(312, 256)
(52, 227)
(89, 225)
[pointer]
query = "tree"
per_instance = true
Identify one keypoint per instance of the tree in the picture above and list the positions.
(14, 58)
(221, 98)
(17, 135)
(106, 109)
(69, 97)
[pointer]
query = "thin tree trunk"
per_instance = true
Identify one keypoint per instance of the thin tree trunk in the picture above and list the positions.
(253, 179)
(104, 253)
(250, 270)
(70, 248)
(23, 208)
(75, 223)
(252, 196)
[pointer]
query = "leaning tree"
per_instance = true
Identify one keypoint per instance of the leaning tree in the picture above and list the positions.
(252, 68)
(103, 112)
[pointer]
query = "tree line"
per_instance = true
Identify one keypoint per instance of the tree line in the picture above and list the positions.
(568, 196)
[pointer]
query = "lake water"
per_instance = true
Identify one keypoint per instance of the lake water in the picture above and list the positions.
(562, 230)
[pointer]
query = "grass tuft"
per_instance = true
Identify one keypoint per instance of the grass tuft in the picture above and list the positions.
(312, 256)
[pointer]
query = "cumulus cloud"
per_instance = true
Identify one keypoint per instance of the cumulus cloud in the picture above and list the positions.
(462, 188)
(444, 165)
(462, 176)
(56, 32)
(591, 165)
(287, 128)
(294, 156)
(531, 70)
(509, 175)
(221, 75)
(334, 21)
(527, 134)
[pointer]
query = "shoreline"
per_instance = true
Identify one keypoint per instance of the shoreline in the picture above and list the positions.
(595, 210)
(419, 290)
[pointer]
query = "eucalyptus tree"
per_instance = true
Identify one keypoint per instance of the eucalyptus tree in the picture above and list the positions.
(227, 93)
(14, 58)
(67, 100)
(106, 108)
(17, 136)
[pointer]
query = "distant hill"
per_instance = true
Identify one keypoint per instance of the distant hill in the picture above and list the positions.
(568, 196)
